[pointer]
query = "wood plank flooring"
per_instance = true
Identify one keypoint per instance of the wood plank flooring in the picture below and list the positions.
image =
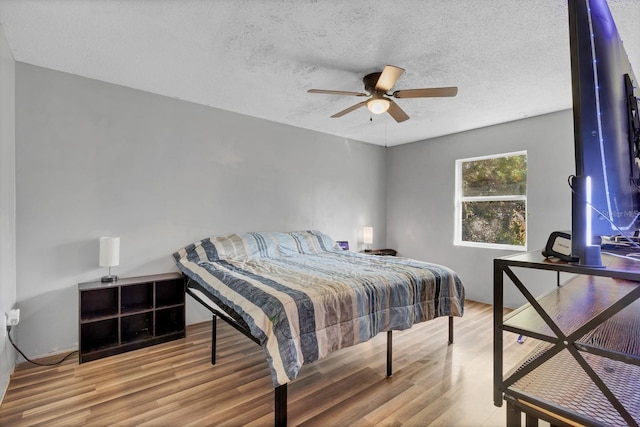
(174, 384)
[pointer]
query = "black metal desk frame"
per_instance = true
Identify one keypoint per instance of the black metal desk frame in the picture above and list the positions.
(561, 341)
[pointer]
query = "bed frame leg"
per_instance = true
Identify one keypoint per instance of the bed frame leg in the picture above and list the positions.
(281, 405)
(389, 353)
(450, 329)
(213, 339)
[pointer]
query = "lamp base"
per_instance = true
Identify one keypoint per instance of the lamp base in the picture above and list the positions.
(109, 278)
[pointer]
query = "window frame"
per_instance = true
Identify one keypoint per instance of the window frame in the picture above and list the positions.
(460, 199)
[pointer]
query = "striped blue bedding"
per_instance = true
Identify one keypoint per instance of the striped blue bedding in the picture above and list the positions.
(302, 297)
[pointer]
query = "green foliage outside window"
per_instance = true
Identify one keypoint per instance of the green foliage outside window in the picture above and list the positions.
(493, 200)
(494, 222)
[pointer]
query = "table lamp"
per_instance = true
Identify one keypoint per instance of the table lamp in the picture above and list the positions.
(109, 256)
(367, 238)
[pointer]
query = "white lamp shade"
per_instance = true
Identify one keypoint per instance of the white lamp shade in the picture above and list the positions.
(367, 235)
(109, 251)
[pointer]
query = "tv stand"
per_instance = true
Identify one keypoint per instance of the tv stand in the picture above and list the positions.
(626, 239)
(586, 367)
(590, 256)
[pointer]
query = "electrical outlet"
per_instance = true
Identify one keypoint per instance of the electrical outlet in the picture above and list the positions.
(13, 317)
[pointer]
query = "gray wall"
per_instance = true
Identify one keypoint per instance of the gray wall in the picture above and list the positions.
(7, 207)
(95, 159)
(420, 194)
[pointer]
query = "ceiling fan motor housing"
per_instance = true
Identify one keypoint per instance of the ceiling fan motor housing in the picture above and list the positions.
(370, 81)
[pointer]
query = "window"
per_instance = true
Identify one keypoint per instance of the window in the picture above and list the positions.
(491, 201)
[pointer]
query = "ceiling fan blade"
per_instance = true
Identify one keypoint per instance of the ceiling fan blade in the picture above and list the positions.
(433, 92)
(388, 78)
(336, 92)
(350, 109)
(397, 113)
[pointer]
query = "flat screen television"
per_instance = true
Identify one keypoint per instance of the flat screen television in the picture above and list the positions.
(606, 192)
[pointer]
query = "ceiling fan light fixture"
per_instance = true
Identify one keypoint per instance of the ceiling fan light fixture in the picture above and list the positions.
(378, 105)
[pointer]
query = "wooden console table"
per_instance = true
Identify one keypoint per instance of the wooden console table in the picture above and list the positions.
(586, 368)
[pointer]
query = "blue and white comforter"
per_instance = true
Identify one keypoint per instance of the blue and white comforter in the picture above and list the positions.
(303, 298)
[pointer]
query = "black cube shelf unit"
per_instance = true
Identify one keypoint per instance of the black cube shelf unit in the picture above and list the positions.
(129, 314)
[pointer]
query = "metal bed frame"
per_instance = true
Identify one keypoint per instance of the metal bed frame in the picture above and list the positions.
(280, 392)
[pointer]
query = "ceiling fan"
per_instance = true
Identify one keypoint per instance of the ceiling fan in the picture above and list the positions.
(378, 85)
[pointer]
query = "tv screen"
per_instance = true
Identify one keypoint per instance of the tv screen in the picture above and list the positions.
(606, 138)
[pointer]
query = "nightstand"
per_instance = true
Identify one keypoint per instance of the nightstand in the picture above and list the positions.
(382, 252)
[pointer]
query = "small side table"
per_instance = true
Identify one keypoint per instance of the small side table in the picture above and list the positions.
(382, 252)
(129, 314)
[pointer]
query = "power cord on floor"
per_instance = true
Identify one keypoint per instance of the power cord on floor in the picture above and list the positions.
(31, 361)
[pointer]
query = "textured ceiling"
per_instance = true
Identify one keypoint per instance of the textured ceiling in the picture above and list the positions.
(509, 58)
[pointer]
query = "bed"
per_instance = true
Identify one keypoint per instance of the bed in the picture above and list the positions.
(301, 297)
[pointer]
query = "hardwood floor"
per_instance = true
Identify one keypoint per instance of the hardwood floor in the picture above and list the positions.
(174, 384)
